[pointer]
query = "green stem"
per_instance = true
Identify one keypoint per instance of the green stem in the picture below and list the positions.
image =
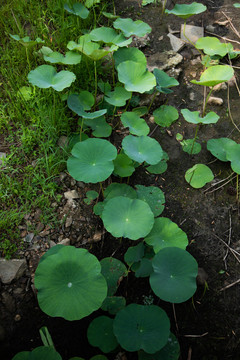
(206, 101)
(28, 61)
(95, 79)
(196, 132)
(81, 128)
(184, 34)
(164, 5)
(128, 103)
(113, 69)
(153, 98)
(101, 189)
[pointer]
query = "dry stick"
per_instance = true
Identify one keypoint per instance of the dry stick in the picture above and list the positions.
(231, 24)
(189, 353)
(234, 252)
(175, 317)
(229, 241)
(221, 185)
(219, 182)
(222, 37)
(196, 336)
(230, 285)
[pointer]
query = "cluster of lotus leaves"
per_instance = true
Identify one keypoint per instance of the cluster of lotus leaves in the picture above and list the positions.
(185, 11)
(212, 46)
(77, 9)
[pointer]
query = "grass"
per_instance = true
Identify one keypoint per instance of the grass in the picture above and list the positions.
(30, 126)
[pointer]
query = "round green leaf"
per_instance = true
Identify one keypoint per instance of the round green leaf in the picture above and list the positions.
(193, 117)
(109, 36)
(71, 58)
(142, 148)
(144, 269)
(199, 175)
(164, 82)
(81, 102)
(166, 233)
(137, 125)
(41, 352)
(92, 160)
(99, 357)
(185, 11)
(113, 304)
(153, 196)
(100, 334)
(131, 53)
(218, 147)
(148, 328)
(112, 270)
(174, 275)
(130, 27)
(165, 115)
(77, 9)
(135, 77)
(99, 126)
(118, 97)
(212, 46)
(215, 75)
(171, 351)
(123, 166)
(236, 5)
(74, 286)
(125, 217)
(160, 167)
(134, 253)
(233, 155)
(116, 189)
(190, 146)
(45, 76)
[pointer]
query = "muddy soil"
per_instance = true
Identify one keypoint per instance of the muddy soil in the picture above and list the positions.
(208, 326)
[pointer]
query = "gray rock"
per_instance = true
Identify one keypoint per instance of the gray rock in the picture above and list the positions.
(65, 242)
(12, 269)
(176, 43)
(68, 221)
(210, 28)
(164, 60)
(70, 195)
(2, 156)
(193, 33)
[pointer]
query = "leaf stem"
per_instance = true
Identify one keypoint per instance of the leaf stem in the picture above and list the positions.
(153, 98)
(128, 102)
(194, 140)
(237, 186)
(113, 69)
(95, 78)
(81, 128)
(206, 101)
(27, 55)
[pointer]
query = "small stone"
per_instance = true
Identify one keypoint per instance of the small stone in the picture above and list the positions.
(51, 243)
(164, 60)
(18, 291)
(72, 194)
(176, 43)
(29, 237)
(63, 142)
(73, 182)
(23, 233)
(62, 176)
(151, 119)
(219, 87)
(215, 101)
(17, 317)
(68, 221)
(2, 157)
(81, 184)
(232, 81)
(196, 61)
(210, 28)
(97, 236)
(65, 242)
(12, 269)
(193, 33)
(192, 96)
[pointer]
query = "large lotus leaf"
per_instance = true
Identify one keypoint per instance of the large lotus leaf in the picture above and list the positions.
(74, 286)
(113, 270)
(191, 146)
(165, 115)
(185, 11)
(116, 189)
(199, 175)
(131, 53)
(135, 77)
(171, 351)
(218, 147)
(174, 275)
(123, 166)
(41, 352)
(215, 75)
(193, 117)
(142, 148)
(130, 27)
(134, 253)
(118, 97)
(113, 304)
(153, 196)
(81, 102)
(45, 76)
(109, 36)
(77, 9)
(125, 217)
(164, 81)
(147, 329)
(212, 46)
(99, 126)
(92, 160)
(71, 58)
(166, 233)
(100, 334)
(233, 155)
(137, 125)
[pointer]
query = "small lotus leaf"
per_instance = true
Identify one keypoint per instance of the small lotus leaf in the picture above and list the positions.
(105, 87)
(89, 48)
(26, 41)
(142, 148)
(199, 175)
(144, 269)
(153, 196)
(109, 36)
(99, 126)
(185, 11)
(130, 27)
(125, 217)
(218, 147)
(193, 117)
(166, 233)
(165, 115)
(91, 195)
(100, 334)
(89, 4)
(92, 160)
(113, 270)
(25, 92)
(127, 54)
(233, 155)
(45, 76)
(174, 275)
(134, 253)
(215, 75)
(113, 304)
(147, 2)
(71, 58)
(140, 111)
(170, 351)
(148, 328)
(164, 82)
(118, 97)
(116, 189)
(160, 167)
(41, 352)
(98, 208)
(191, 146)
(123, 166)
(137, 125)
(212, 46)
(74, 287)
(110, 15)
(77, 9)
(77, 103)
(236, 5)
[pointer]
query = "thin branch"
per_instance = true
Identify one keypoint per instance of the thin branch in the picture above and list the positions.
(230, 285)
(222, 37)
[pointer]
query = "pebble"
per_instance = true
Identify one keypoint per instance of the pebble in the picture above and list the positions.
(65, 242)
(17, 317)
(72, 194)
(192, 96)
(215, 101)
(12, 269)
(68, 221)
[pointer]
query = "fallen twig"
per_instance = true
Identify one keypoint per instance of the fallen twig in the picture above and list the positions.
(231, 24)
(196, 336)
(234, 252)
(229, 241)
(230, 285)
(222, 37)
(218, 182)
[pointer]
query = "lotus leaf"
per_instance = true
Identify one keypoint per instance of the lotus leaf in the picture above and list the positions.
(236, 5)
(118, 97)
(129, 54)
(218, 147)
(164, 82)
(99, 357)
(105, 87)
(125, 217)
(113, 304)
(77, 9)
(166, 233)
(134, 253)
(113, 270)
(144, 268)
(109, 36)
(160, 167)
(90, 196)
(174, 275)
(170, 351)
(92, 160)
(165, 115)
(123, 166)
(99, 126)
(26, 92)
(116, 189)
(135, 77)
(142, 148)
(199, 175)
(137, 125)
(41, 352)
(100, 334)
(130, 27)
(193, 117)
(140, 111)
(45, 76)
(74, 287)
(89, 4)
(148, 328)
(54, 57)
(185, 11)
(26, 41)
(215, 75)
(77, 103)
(212, 46)
(110, 15)
(190, 146)
(147, 2)
(233, 155)
(153, 196)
